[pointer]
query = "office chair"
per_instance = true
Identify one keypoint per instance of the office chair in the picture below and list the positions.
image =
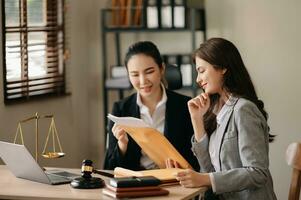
(293, 158)
(173, 77)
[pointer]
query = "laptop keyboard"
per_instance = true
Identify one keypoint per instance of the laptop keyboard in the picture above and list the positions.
(55, 179)
(59, 177)
(62, 174)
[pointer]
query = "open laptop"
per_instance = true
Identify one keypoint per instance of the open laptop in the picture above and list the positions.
(22, 165)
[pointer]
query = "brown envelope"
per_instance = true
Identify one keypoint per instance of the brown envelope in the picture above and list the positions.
(156, 146)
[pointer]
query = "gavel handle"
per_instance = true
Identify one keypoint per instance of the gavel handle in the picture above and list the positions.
(103, 173)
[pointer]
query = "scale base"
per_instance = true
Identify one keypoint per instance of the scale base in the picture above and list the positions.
(87, 183)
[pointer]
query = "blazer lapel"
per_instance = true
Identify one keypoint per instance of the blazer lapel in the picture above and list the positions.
(223, 126)
(168, 114)
(134, 108)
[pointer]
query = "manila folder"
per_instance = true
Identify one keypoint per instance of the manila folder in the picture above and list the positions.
(151, 141)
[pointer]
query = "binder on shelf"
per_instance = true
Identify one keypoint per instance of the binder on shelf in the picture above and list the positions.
(179, 14)
(171, 59)
(118, 83)
(166, 14)
(120, 13)
(196, 4)
(186, 59)
(152, 14)
(115, 9)
(199, 18)
(118, 71)
(125, 12)
(129, 12)
(186, 70)
(137, 10)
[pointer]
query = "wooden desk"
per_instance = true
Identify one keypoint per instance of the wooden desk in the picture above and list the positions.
(16, 188)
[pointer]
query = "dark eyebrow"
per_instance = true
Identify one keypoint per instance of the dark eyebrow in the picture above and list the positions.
(149, 68)
(133, 72)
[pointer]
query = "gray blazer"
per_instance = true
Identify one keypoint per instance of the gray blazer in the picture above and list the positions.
(243, 148)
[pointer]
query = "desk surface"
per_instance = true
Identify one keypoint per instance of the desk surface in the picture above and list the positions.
(16, 188)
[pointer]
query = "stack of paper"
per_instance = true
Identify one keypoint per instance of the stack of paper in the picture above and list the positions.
(166, 175)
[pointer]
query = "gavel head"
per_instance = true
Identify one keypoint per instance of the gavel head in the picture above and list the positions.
(87, 168)
(86, 181)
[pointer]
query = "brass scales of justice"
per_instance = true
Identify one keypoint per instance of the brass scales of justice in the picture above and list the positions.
(52, 132)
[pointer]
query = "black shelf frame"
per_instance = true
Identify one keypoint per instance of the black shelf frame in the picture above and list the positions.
(117, 31)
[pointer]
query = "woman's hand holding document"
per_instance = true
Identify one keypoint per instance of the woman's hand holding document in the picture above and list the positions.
(152, 142)
(128, 121)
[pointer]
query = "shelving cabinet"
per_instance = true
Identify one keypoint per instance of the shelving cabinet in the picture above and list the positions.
(120, 85)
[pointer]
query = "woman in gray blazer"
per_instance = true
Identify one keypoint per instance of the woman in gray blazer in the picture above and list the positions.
(231, 135)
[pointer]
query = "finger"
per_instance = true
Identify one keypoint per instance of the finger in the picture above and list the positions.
(172, 163)
(204, 99)
(196, 102)
(114, 127)
(167, 163)
(177, 165)
(118, 132)
(121, 135)
(181, 174)
(205, 96)
(193, 103)
(201, 101)
(181, 178)
(118, 128)
(185, 183)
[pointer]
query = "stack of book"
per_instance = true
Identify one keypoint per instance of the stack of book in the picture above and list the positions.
(127, 13)
(147, 14)
(129, 187)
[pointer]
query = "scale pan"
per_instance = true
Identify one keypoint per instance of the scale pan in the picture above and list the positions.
(53, 154)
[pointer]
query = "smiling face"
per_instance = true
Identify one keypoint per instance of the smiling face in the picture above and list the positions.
(145, 75)
(209, 78)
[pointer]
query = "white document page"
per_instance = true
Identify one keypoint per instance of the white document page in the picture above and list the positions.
(128, 121)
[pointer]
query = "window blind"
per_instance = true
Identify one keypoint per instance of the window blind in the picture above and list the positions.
(33, 48)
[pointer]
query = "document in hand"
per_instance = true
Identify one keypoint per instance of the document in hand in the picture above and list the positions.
(151, 141)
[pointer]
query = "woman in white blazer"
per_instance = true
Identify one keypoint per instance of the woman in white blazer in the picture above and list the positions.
(231, 135)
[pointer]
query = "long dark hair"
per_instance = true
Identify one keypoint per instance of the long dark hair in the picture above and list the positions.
(146, 48)
(222, 54)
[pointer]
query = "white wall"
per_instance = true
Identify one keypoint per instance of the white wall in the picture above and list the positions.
(267, 34)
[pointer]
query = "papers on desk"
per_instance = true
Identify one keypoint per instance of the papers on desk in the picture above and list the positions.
(151, 141)
(166, 175)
